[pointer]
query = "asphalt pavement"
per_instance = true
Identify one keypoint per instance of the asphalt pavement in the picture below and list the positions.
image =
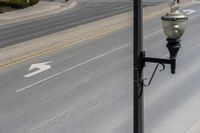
(83, 13)
(87, 89)
(172, 101)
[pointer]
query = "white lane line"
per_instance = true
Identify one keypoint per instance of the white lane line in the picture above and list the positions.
(66, 70)
(189, 11)
(83, 109)
(154, 33)
(165, 56)
(49, 120)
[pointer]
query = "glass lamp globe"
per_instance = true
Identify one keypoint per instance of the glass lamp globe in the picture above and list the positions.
(174, 23)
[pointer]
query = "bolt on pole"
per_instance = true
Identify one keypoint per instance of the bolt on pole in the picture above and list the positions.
(138, 67)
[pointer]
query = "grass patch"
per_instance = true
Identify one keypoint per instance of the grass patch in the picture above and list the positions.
(6, 9)
(18, 3)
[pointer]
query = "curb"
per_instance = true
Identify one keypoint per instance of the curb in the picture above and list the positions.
(27, 50)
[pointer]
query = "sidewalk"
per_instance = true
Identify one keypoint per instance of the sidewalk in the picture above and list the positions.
(43, 8)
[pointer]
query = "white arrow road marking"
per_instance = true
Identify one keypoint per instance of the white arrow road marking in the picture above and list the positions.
(69, 69)
(189, 11)
(41, 67)
(196, 1)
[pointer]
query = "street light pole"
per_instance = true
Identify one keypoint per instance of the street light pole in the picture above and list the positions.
(174, 27)
(138, 67)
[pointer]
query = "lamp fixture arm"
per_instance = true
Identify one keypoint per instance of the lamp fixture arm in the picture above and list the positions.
(156, 68)
(159, 61)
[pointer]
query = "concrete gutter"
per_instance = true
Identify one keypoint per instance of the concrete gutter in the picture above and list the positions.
(21, 52)
(41, 9)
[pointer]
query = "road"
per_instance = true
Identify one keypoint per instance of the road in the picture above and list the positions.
(172, 101)
(86, 83)
(83, 13)
(88, 87)
(155, 1)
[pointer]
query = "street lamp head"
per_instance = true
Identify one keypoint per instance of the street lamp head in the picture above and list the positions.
(174, 23)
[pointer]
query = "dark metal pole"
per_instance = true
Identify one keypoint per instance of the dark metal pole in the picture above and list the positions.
(138, 68)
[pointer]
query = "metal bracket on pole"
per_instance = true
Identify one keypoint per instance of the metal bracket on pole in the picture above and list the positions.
(159, 61)
(156, 68)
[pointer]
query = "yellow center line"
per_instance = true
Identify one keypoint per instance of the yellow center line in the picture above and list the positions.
(84, 38)
(60, 46)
